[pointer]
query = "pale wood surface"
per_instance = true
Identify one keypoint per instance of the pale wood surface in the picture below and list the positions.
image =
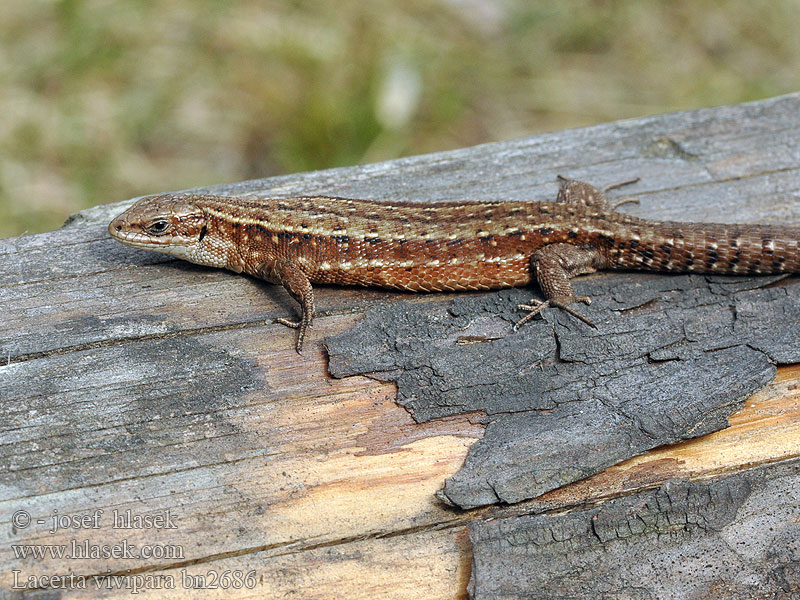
(130, 381)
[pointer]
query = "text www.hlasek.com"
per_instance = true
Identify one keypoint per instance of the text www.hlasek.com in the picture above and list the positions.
(83, 549)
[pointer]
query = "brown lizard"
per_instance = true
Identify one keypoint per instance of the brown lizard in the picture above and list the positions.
(449, 246)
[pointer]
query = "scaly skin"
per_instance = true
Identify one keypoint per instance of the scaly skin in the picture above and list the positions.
(432, 247)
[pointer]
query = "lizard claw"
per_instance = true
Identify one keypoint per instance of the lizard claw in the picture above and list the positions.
(533, 309)
(578, 315)
(288, 322)
(619, 184)
(302, 326)
(536, 306)
(625, 201)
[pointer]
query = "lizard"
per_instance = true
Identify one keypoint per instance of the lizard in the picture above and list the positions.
(443, 246)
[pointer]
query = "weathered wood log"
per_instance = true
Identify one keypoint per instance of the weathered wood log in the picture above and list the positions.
(730, 537)
(131, 382)
(563, 401)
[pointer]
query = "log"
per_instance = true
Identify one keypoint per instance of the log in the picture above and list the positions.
(159, 393)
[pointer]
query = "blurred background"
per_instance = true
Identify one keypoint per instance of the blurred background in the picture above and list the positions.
(102, 100)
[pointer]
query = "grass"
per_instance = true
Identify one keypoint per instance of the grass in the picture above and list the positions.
(104, 100)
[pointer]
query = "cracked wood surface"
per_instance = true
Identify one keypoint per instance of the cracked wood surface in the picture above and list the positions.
(564, 401)
(132, 381)
(733, 537)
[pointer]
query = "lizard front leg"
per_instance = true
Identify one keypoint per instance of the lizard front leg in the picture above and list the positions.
(288, 274)
(554, 266)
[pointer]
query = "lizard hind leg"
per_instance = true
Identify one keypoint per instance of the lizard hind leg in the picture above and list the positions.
(554, 266)
(573, 191)
(610, 186)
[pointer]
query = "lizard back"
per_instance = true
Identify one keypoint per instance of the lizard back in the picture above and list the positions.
(482, 245)
(403, 245)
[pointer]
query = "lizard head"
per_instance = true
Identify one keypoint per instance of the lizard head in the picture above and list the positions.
(169, 223)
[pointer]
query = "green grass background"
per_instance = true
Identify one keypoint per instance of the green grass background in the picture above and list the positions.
(103, 100)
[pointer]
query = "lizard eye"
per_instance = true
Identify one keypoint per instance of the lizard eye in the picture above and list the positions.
(158, 227)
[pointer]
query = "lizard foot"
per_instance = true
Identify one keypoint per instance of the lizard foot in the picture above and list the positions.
(619, 184)
(301, 325)
(537, 306)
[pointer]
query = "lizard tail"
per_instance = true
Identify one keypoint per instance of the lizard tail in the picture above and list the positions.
(709, 248)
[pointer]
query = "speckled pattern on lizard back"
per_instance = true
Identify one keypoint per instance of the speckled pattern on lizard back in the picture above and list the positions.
(430, 247)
